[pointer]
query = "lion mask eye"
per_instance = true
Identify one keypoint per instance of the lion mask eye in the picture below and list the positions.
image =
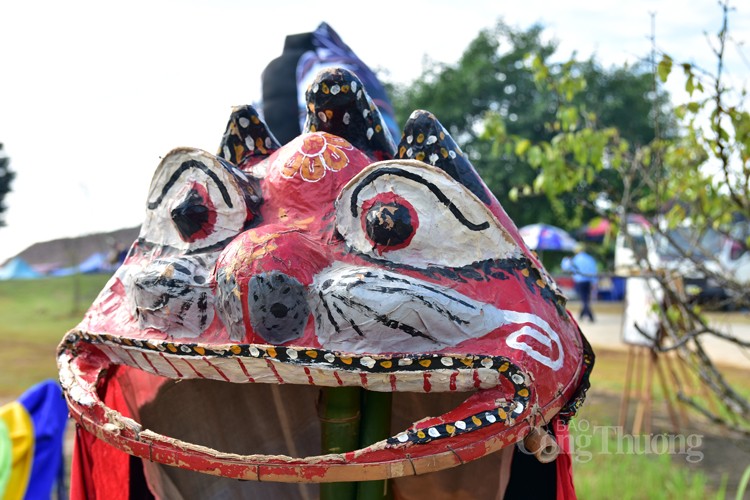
(195, 216)
(410, 213)
(197, 202)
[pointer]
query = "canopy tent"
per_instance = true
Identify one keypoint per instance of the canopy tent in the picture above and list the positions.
(597, 227)
(596, 230)
(16, 269)
(541, 237)
(97, 262)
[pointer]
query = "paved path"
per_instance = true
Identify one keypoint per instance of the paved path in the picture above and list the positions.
(606, 332)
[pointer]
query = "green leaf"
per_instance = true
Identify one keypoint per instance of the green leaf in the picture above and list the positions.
(522, 146)
(539, 182)
(664, 68)
(690, 85)
(534, 156)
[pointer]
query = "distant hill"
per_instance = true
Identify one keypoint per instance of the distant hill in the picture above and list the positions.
(72, 251)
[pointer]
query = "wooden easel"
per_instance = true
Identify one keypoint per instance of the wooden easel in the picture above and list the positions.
(643, 361)
(646, 359)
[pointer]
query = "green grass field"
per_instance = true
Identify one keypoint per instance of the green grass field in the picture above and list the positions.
(35, 314)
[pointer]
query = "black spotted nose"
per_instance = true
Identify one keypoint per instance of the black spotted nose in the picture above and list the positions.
(277, 306)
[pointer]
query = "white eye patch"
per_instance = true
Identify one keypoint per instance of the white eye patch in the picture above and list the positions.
(410, 213)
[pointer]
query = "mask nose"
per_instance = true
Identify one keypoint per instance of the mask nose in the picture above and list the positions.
(277, 306)
(261, 281)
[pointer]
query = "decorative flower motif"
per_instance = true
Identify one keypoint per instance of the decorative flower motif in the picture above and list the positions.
(317, 153)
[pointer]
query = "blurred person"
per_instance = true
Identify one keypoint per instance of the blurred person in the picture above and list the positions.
(585, 275)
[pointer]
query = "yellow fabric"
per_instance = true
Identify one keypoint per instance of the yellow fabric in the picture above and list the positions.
(21, 429)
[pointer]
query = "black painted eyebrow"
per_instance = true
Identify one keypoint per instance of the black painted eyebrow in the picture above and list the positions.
(399, 172)
(186, 165)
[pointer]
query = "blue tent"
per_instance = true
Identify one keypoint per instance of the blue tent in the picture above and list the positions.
(16, 269)
(95, 263)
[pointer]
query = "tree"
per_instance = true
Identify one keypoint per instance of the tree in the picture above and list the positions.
(489, 76)
(493, 92)
(6, 177)
(714, 197)
(695, 182)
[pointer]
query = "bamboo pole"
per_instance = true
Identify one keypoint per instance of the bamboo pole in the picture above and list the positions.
(339, 413)
(649, 392)
(375, 426)
(642, 390)
(671, 360)
(667, 391)
(638, 389)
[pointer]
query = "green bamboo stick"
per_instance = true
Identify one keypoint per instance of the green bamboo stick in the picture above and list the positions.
(339, 412)
(376, 426)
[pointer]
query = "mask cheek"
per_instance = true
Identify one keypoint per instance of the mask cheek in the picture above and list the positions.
(172, 295)
(261, 284)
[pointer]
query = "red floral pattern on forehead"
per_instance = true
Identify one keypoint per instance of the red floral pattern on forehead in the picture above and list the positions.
(317, 153)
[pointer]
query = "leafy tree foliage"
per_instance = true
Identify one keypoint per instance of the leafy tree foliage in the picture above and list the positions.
(697, 181)
(490, 76)
(6, 176)
(560, 141)
(496, 105)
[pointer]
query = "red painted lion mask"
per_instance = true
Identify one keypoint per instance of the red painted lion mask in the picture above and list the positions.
(339, 259)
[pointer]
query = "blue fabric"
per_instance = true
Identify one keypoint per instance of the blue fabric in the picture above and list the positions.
(49, 414)
(583, 266)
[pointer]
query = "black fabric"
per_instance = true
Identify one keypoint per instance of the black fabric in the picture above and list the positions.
(530, 478)
(279, 88)
(138, 488)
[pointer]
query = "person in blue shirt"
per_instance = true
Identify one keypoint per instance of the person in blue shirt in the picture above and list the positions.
(585, 275)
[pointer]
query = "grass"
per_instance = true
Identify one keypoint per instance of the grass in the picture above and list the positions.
(609, 463)
(37, 313)
(608, 458)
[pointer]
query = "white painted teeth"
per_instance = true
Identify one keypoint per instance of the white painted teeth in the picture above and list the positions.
(242, 363)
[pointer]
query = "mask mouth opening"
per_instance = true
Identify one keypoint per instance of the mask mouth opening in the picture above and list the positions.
(266, 419)
(176, 422)
(251, 419)
(270, 419)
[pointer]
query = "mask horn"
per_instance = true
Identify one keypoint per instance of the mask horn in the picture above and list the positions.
(337, 103)
(247, 139)
(425, 139)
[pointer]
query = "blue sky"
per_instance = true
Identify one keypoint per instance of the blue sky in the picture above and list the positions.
(94, 93)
